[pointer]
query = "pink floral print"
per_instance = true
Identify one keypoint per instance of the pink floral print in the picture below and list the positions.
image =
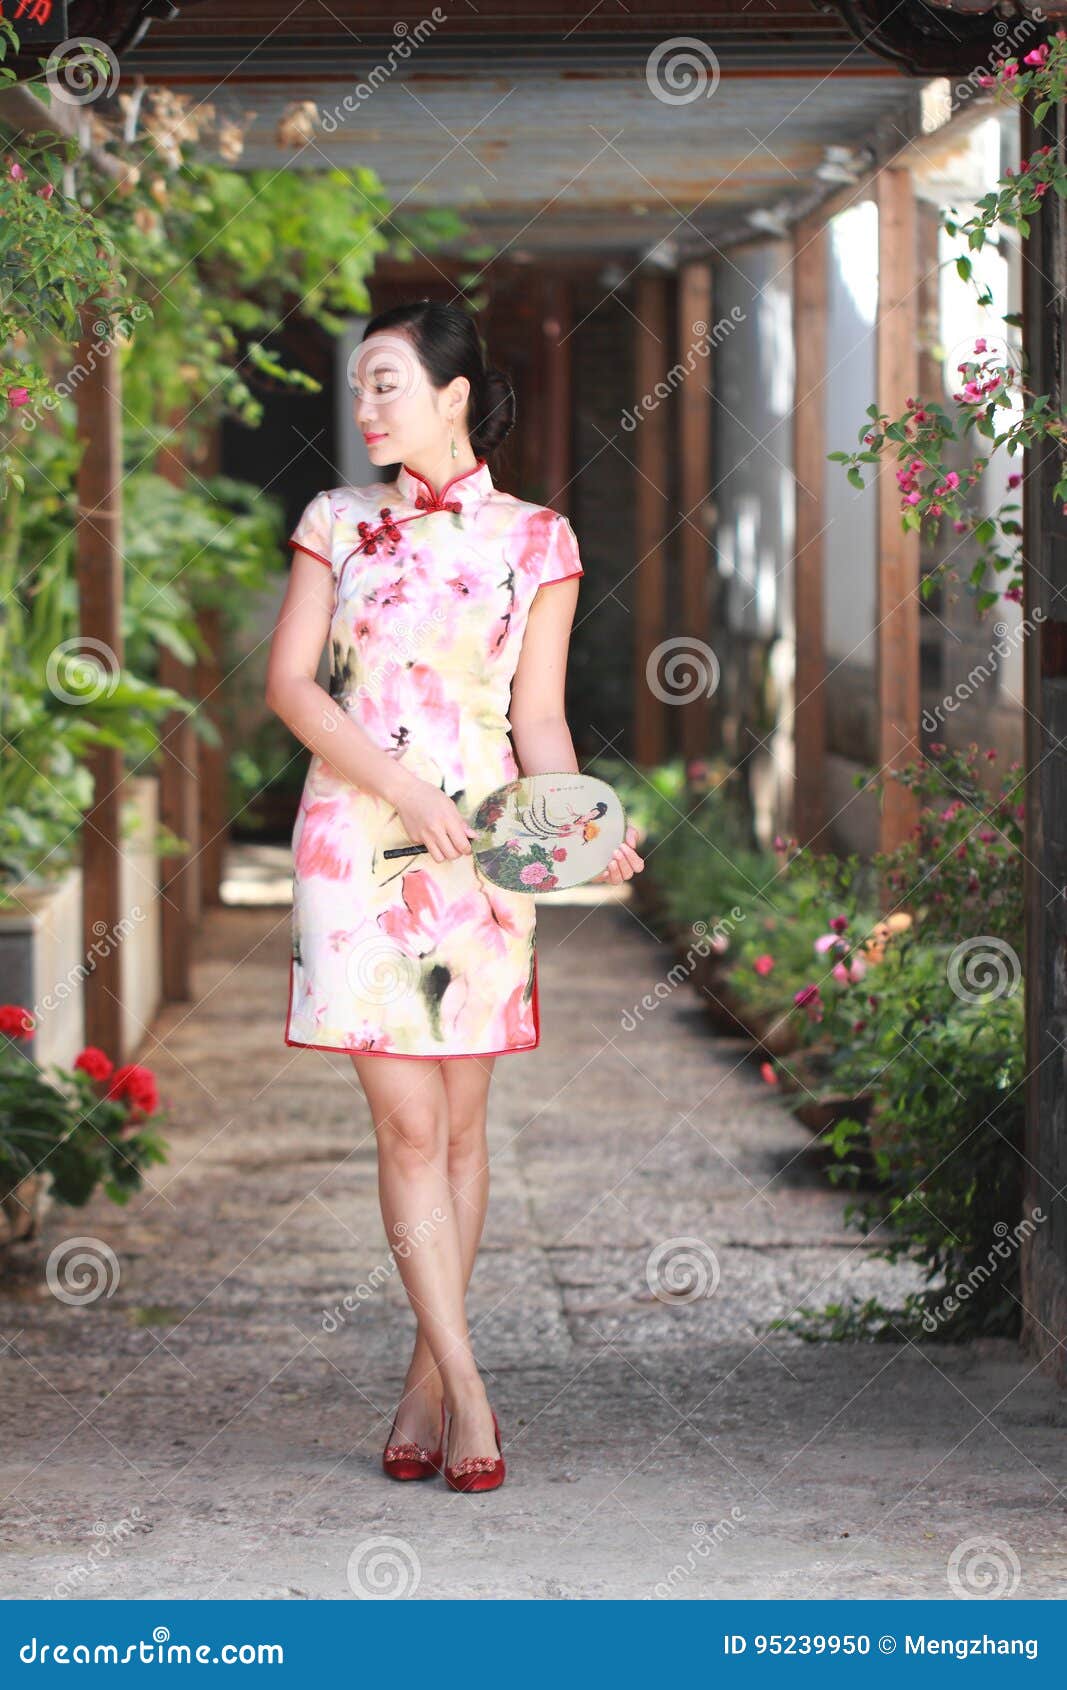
(406, 956)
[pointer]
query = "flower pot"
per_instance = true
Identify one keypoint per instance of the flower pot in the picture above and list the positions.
(23, 1208)
(819, 1114)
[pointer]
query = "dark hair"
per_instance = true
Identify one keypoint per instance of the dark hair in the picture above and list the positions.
(448, 344)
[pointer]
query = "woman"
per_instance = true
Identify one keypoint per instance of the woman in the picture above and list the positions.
(431, 590)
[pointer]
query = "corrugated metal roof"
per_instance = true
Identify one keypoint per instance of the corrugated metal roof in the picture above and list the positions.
(589, 160)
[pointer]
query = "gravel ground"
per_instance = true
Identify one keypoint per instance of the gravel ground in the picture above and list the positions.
(207, 1429)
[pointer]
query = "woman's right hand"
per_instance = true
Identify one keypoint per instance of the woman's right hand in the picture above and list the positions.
(430, 817)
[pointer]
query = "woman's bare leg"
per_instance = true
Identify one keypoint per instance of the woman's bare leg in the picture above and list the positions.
(467, 1082)
(409, 1104)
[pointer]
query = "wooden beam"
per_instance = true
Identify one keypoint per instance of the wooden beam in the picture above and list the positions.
(98, 565)
(652, 458)
(897, 599)
(809, 469)
(698, 580)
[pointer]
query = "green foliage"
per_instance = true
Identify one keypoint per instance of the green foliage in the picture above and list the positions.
(61, 1126)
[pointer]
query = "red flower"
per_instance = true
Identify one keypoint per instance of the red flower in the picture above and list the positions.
(16, 1022)
(137, 1085)
(96, 1063)
(763, 964)
(768, 1073)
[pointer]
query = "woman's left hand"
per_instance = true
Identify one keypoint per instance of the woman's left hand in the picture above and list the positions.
(625, 862)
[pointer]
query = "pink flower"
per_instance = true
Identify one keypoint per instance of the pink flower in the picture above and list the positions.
(533, 874)
(829, 942)
(763, 964)
(46, 192)
(1036, 56)
(16, 172)
(559, 852)
(840, 973)
(18, 396)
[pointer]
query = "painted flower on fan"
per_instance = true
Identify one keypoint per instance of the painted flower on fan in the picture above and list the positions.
(534, 874)
(559, 852)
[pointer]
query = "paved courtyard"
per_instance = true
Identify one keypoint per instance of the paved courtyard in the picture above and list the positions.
(212, 1429)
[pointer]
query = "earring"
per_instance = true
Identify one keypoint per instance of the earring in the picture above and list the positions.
(453, 440)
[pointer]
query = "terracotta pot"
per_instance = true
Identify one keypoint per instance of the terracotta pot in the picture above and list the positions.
(23, 1207)
(821, 1113)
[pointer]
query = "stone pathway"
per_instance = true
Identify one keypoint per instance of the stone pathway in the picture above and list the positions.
(209, 1429)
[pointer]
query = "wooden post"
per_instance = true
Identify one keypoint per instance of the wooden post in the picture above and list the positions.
(694, 453)
(98, 552)
(1043, 1257)
(809, 470)
(179, 802)
(897, 600)
(650, 735)
(212, 760)
(556, 356)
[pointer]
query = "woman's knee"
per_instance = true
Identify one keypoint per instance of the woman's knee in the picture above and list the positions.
(466, 1136)
(413, 1135)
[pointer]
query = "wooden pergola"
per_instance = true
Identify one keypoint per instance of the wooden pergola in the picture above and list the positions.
(673, 189)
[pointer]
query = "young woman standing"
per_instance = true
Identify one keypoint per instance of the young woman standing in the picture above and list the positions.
(431, 590)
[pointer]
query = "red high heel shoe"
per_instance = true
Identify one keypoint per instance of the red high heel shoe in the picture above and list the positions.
(477, 1472)
(411, 1461)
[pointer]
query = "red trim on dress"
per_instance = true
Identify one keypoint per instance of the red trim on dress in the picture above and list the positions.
(573, 576)
(299, 544)
(437, 500)
(449, 1056)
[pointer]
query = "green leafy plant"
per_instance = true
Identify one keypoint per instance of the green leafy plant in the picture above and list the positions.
(993, 400)
(88, 1126)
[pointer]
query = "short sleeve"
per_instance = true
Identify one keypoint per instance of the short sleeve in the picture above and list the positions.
(561, 558)
(314, 532)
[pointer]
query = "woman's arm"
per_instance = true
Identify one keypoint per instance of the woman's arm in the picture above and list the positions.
(293, 693)
(539, 730)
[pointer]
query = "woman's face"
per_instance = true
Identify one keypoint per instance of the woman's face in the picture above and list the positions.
(399, 412)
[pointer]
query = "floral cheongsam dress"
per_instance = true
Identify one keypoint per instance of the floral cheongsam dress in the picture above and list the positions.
(405, 956)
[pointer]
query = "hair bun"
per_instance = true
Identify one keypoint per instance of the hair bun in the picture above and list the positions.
(497, 411)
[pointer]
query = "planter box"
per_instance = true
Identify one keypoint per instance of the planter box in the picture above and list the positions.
(43, 960)
(42, 965)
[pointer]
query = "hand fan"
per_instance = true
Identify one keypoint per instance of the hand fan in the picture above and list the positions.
(542, 833)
